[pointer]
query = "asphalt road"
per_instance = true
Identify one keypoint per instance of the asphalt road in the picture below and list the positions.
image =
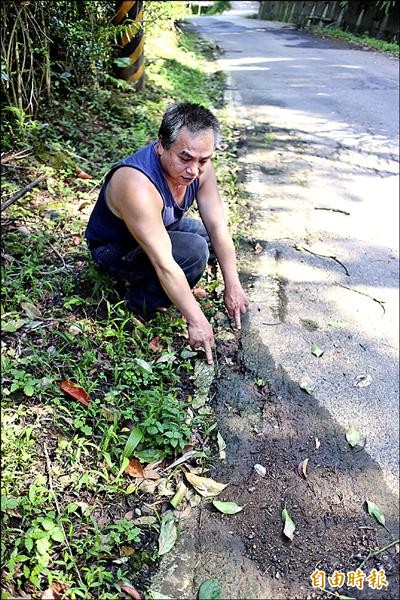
(320, 127)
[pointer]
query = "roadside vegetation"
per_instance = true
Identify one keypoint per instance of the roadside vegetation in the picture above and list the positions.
(96, 406)
(362, 40)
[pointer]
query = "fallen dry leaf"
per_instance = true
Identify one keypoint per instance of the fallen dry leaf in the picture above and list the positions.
(74, 330)
(13, 513)
(148, 486)
(180, 460)
(130, 590)
(155, 344)
(185, 512)
(188, 447)
(82, 174)
(199, 293)
(221, 446)
(302, 468)
(205, 486)
(151, 473)
(76, 392)
(55, 591)
(31, 310)
(260, 470)
(362, 381)
(129, 515)
(165, 488)
(134, 468)
(258, 248)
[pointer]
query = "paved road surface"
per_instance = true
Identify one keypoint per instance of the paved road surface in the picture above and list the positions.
(320, 120)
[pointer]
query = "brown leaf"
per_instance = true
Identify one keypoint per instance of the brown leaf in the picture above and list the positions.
(130, 590)
(155, 344)
(129, 515)
(55, 591)
(258, 248)
(77, 240)
(199, 293)
(188, 447)
(134, 469)
(72, 389)
(148, 486)
(185, 512)
(13, 513)
(150, 473)
(82, 174)
(302, 468)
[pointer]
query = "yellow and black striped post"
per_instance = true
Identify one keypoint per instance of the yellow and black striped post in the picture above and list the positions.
(132, 41)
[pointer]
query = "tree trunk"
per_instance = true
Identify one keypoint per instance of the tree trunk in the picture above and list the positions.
(132, 41)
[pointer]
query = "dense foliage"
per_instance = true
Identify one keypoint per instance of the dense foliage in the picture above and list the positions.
(73, 521)
(49, 46)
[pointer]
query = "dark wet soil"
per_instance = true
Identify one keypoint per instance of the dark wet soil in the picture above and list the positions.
(266, 418)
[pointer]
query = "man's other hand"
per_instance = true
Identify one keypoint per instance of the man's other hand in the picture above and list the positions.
(236, 302)
(201, 336)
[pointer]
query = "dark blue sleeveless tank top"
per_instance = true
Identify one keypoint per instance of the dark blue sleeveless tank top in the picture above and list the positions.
(104, 227)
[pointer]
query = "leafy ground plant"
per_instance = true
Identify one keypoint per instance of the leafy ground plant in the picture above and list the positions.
(76, 519)
(363, 40)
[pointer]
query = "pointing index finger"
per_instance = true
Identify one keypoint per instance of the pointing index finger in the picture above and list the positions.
(208, 351)
(237, 318)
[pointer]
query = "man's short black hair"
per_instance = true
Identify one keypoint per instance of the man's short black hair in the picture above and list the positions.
(185, 114)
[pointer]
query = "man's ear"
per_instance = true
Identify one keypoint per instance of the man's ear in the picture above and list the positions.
(160, 148)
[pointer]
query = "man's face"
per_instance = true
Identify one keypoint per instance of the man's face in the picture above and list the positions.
(187, 158)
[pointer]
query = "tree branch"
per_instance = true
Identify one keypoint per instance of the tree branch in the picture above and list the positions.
(22, 192)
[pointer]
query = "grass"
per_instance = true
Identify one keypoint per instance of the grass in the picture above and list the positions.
(363, 40)
(73, 521)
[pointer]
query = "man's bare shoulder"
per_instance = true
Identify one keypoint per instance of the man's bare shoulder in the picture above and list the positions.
(129, 176)
(130, 187)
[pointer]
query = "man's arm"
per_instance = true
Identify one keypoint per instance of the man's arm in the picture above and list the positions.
(211, 212)
(134, 198)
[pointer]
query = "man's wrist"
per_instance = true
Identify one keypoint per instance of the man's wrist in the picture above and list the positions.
(196, 320)
(231, 280)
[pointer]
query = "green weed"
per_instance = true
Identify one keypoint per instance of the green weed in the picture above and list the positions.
(64, 320)
(364, 39)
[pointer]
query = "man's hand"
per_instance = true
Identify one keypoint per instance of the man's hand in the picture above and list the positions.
(236, 302)
(201, 336)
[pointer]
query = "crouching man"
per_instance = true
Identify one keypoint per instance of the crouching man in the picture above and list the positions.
(137, 231)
